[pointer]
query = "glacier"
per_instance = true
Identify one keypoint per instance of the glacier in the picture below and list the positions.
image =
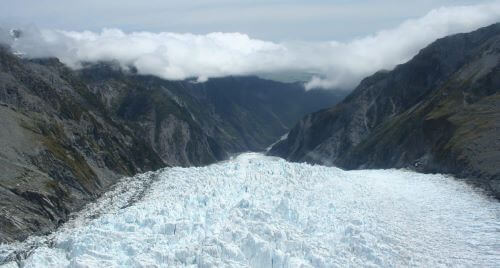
(261, 211)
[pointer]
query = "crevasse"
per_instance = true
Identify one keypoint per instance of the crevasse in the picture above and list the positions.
(259, 211)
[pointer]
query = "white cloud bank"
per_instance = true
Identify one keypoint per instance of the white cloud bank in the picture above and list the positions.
(179, 56)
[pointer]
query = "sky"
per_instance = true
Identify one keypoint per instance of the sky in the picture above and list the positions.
(342, 41)
(273, 20)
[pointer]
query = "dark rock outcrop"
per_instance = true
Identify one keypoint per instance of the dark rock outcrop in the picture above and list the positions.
(66, 136)
(440, 112)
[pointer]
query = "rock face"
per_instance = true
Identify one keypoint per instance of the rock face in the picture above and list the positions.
(66, 136)
(440, 112)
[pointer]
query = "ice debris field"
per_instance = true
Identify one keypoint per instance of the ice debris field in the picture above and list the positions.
(259, 211)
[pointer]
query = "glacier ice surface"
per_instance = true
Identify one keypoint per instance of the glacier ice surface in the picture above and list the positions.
(259, 211)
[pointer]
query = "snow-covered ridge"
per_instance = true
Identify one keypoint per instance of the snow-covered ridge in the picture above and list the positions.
(262, 211)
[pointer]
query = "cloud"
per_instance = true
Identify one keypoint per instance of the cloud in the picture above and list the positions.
(347, 63)
(179, 56)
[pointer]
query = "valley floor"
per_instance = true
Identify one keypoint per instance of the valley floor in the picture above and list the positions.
(261, 211)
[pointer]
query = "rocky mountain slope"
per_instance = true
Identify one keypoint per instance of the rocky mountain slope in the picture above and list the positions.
(440, 112)
(66, 136)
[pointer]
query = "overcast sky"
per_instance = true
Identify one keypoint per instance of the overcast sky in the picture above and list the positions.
(274, 20)
(342, 41)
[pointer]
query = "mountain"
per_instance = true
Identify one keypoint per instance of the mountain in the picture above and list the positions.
(439, 112)
(238, 113)
(67, 136)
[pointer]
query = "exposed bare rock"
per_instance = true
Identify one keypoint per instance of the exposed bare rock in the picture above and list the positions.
(440, 112)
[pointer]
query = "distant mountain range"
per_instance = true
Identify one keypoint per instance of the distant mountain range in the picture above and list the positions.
(440, 112)
(67, 135)
(288, 76)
